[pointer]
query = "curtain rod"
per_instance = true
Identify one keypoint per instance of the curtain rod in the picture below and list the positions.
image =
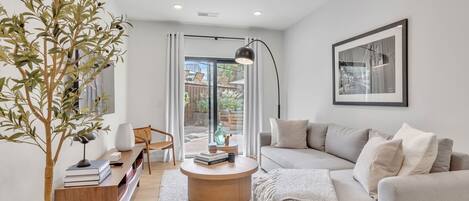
(214, 37)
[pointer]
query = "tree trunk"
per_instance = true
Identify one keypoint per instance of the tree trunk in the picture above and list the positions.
(49, 170)
(48, 180)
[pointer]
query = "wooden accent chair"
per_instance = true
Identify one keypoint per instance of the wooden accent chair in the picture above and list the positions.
(143, 135)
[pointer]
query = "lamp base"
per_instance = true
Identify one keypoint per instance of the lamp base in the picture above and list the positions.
(83, 163)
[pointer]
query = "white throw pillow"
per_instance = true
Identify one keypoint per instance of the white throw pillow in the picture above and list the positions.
(420, 150)
(380, 158)
(273, 131)
(289, 133)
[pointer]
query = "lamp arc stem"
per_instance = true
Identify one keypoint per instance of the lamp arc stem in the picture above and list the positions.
(276, 72)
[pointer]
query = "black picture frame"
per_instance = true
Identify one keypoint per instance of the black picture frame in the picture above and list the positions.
(404, 101)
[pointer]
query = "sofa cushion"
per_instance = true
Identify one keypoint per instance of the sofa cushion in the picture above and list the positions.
(346, 143)
(290, 133)
(268, 164)
(316, 137)
(443, 158)
(273, 131)
(347, 188)
(380, 158)
(420, 150)
(304, 159)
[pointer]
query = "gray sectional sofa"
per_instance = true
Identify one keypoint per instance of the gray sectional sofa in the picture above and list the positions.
(337, 148)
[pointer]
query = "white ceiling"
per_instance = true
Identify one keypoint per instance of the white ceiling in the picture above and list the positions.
(277, 14)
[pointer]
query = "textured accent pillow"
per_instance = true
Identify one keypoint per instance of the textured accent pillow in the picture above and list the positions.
(420, 150)
(316, 136)
(346, 143)
(273, 131)
(291, 133)
(380, 158)
(443, 158)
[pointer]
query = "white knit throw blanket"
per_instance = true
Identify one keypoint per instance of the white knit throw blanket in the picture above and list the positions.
(294, 185)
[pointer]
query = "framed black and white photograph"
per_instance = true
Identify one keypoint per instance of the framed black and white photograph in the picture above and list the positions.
(371, 69)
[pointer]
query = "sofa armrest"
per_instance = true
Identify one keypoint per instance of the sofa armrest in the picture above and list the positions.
(265, 138)
(445, 186)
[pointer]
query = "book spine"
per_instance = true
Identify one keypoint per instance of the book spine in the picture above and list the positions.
(77, 173)
(98, 179)
(210, 154)
(105, 176)
(211, 162)
(218, 161)
(80, 173)
(209, 159)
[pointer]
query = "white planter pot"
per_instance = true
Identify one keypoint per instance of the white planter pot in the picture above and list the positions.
(125, 138)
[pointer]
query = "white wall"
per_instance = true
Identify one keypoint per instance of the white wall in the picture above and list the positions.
(22, 166)
(438, 65)
(147, 59)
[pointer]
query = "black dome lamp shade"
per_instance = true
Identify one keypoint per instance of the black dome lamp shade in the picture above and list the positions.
(245, 55)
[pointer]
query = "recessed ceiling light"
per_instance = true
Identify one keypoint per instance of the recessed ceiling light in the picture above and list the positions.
(177, 6)
(257, 13)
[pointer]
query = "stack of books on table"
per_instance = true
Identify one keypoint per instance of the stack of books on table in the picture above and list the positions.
(211, 158)
(94, 174)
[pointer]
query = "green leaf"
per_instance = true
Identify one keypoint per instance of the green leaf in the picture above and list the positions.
(2, 83)
(15, 136)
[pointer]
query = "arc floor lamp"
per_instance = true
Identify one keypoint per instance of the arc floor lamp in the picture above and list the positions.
(245, 55)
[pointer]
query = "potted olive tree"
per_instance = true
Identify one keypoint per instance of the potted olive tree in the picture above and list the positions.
(38, 103)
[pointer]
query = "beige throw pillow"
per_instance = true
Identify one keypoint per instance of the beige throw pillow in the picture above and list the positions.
(289, 133)
(420, 150)
(380, 158)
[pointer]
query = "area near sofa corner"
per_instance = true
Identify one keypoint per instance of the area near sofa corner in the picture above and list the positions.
(343, 145)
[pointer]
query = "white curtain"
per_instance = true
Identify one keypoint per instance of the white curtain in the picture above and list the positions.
(253, 102)
(175, 93)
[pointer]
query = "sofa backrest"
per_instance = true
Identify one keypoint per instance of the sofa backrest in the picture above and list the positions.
(347, 143)
(344, 142)
(316, 136)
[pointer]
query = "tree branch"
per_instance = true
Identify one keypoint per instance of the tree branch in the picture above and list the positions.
(39, 115)
(57, 152)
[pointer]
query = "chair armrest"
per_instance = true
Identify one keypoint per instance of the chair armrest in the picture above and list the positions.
(445, 186)
(164, 133)
(265, 138)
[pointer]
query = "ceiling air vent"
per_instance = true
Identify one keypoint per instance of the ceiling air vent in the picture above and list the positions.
(207, 14)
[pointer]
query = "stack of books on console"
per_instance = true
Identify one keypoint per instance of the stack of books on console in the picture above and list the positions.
(211, 158)
(94, 174)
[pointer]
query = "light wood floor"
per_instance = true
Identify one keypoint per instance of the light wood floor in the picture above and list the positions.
(149, 189)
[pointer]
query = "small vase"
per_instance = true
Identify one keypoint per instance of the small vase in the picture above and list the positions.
(125, 137)
(219, 137)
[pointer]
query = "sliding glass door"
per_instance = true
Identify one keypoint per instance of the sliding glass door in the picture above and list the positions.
(214, 99)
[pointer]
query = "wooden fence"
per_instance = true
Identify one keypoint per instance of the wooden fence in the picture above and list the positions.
(197, 92)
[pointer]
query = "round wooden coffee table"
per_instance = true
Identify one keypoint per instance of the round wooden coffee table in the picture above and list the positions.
(224, 181)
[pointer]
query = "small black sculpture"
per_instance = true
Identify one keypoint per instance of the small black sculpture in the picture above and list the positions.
(84, 139)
